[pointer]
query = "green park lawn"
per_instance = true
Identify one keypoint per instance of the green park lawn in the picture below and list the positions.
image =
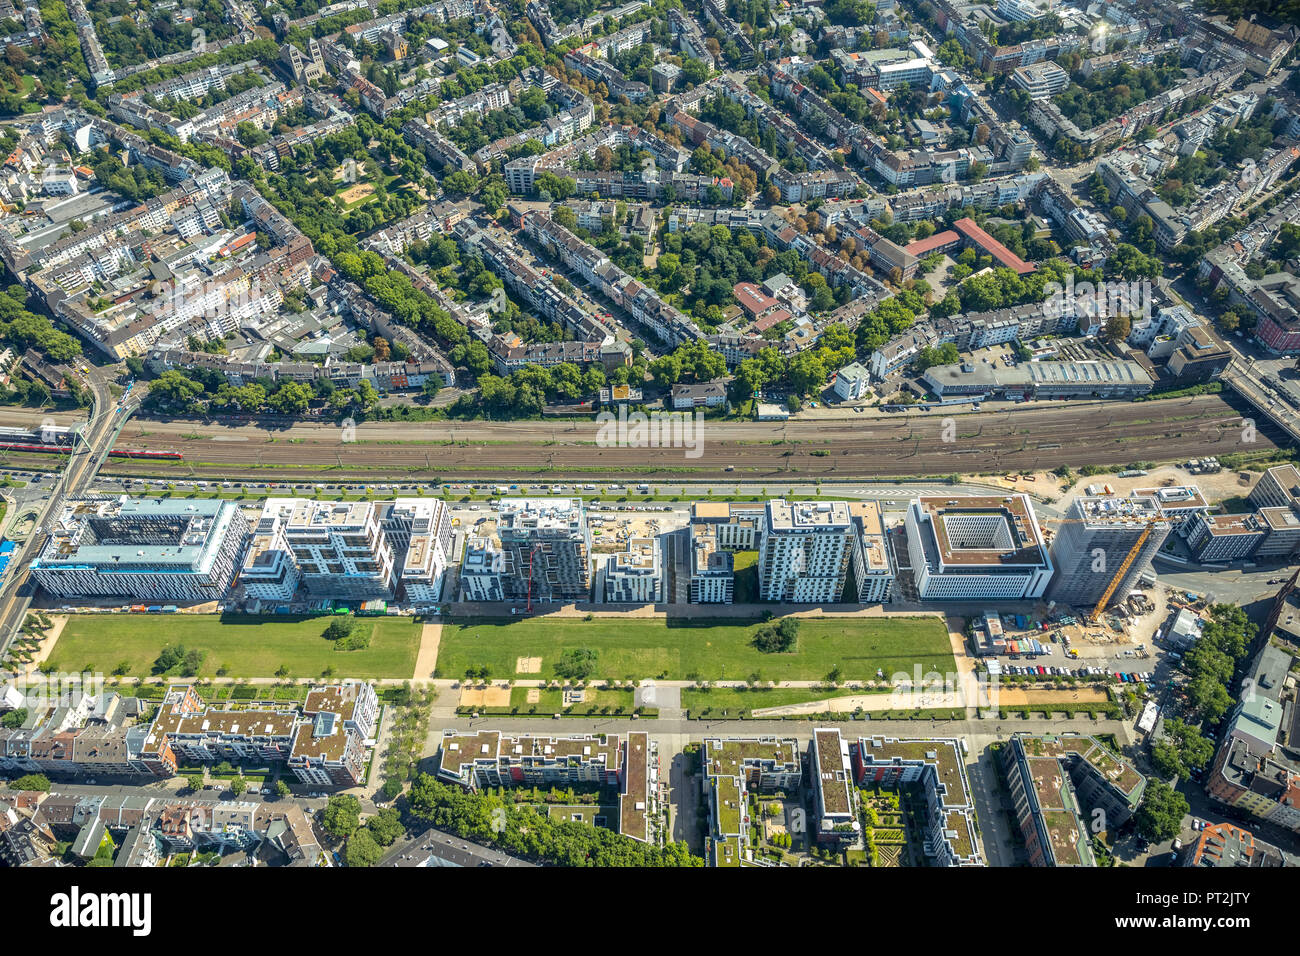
(704, 650)
(249, 646)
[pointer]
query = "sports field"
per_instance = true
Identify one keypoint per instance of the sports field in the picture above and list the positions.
(248, 646)
(707, 650)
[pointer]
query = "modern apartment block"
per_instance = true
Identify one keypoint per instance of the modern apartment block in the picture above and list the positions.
(482, 572)
(873, 561)
(635, 574)
(325, 743)
(1095, 539)
(269, 572)
(546, 543)
(835, 796)
(976, 547)
(1056, 783)
(144, 549)
(340, 548)
(733, 767)
(638, 795)
(738, 526)
(805, 552)
(490, 759)
(713, 574)
(936, 766)
(329, 747)
(419, 531)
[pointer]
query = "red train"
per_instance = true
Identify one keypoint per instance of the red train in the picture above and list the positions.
(115, 453)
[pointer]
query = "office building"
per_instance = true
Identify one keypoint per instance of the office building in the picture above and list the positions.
(1220, 538)
(976, 547)
(1093, 542)
(143, 549)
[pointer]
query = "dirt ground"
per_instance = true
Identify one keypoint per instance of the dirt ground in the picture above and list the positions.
(528, 665)
(485, 696)
(1216, 487)
(1016, 697)
(353, 193)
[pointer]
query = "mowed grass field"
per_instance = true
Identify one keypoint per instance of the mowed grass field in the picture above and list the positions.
(682, 650)
(248, 646)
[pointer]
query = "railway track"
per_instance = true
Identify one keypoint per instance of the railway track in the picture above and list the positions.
(1038, 437)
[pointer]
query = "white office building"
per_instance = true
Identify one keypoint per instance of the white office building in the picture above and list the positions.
(143, 549)
(969, 548)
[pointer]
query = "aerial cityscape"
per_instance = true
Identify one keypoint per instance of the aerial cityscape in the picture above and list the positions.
(692, 433)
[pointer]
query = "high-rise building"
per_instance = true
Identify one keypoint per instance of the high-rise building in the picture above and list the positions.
(805, 552)
(873, 562)
(1093, 542)
(419, 532)
(145, 549)
(976, 547)
(546, 543)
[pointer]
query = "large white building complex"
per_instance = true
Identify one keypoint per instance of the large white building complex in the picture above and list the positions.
(339, 547)
(143, 549)
(976, 547)
(806, 551)
(349, 550)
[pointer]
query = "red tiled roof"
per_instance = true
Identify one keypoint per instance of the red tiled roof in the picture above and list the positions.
(923, 247)
(752, 299)
(968, 228)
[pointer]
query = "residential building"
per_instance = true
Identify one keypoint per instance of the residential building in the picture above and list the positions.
(937, 768)
(853, 382)
(634, 575)
(546, 544)
(340, 548)
(834, 793)
(873, 560)
(490, 759)
(1056, 783)
(806, 551)
(733, 767)
(482, 572)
